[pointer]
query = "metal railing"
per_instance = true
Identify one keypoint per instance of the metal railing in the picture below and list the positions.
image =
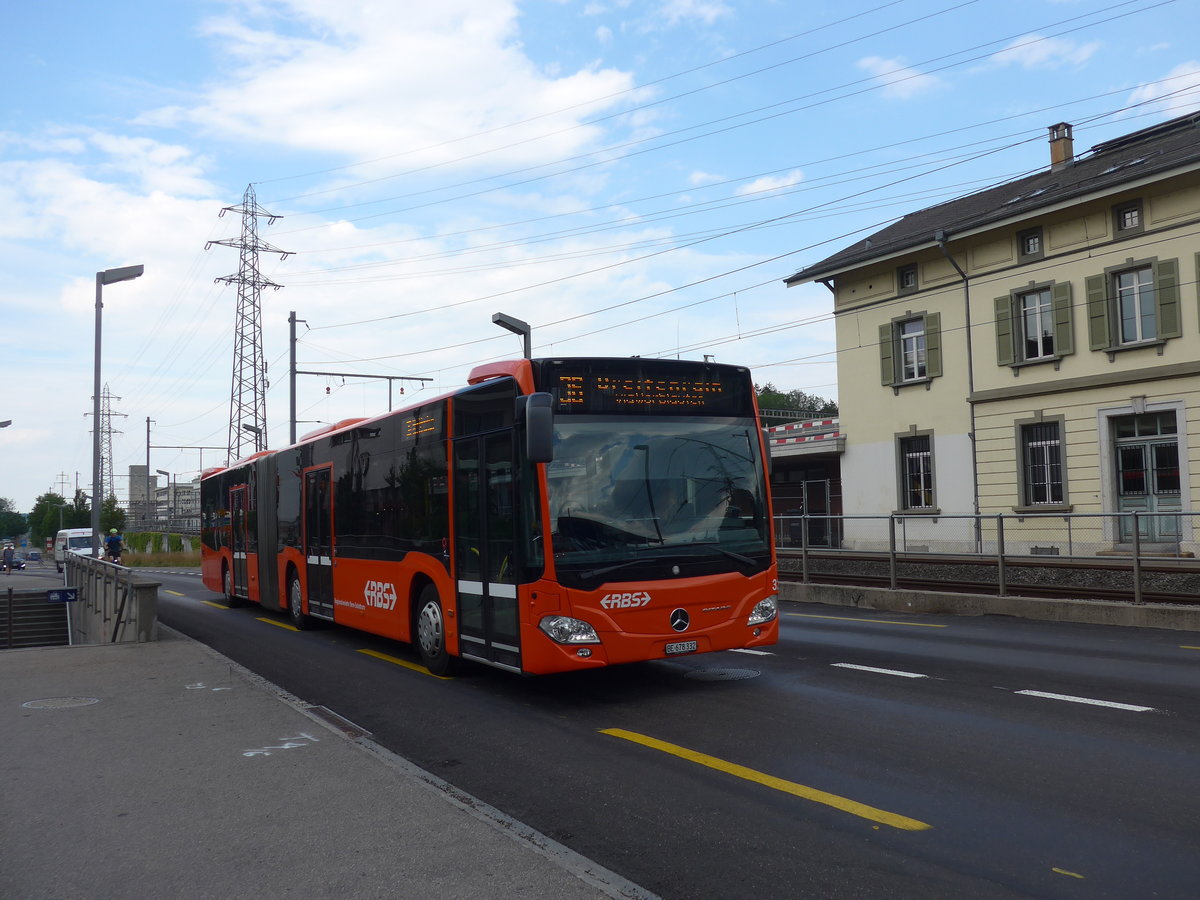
(1134, 536)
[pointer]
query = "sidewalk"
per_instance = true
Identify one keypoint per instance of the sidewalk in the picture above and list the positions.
(166, 770)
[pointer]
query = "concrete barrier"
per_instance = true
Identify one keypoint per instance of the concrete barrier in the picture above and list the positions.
(114, 604)
(1091, 612)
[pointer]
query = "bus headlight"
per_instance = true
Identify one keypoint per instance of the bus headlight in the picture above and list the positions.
(565, 630)
(764, 611)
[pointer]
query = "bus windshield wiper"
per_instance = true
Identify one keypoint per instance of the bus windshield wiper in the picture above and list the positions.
(604, 570)
(744, 560)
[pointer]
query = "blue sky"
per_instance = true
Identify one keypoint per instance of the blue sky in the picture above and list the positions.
(628, 177)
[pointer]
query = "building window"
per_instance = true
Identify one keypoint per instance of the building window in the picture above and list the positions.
(910, 349)
(1134, 304)
(1035, 324)
(906, 278)
(1127, 218)
(916, 472)
(1029, 244)
(1041, 454)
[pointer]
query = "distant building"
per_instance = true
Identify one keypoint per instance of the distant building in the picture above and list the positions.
(141, 510)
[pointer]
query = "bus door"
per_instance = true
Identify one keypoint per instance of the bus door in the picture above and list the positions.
(237, 517)
(484, 527)
(318, 541)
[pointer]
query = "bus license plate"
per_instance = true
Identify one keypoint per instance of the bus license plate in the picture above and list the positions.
(681, 647)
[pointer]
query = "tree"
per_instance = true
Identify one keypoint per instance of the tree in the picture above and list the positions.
(806, 406)
(51, 509)
(12, 523)
(111, 515)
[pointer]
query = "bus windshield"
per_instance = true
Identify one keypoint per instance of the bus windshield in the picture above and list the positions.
(654, 497)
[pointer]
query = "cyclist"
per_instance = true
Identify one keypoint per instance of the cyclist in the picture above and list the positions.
(112, 546)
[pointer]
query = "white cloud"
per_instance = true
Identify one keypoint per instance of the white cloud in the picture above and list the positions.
(1034, 51)
(1175, 94)
(673, 12)
(898, 80)
(697, 178)
(772, 183)
(379, 79)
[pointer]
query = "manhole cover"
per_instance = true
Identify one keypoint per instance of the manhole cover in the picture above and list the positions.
(722, 674)
(60, 702)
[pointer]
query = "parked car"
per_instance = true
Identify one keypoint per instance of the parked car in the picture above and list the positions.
(34, 556)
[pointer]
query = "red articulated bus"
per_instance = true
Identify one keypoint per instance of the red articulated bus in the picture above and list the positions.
(551, 516)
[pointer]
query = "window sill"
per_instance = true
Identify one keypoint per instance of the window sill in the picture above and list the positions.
(897, 385)
(1112, 352)
(914, 513)
(1055, 508)
(1039, 361)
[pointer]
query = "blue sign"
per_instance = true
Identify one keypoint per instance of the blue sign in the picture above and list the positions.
(62, 595)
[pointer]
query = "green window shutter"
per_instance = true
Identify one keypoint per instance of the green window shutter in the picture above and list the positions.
(933, 345)
(1097, 309)
(1197, 281)
(1064, 330)
(1004, 331)
(1166, 296)
(887, 367)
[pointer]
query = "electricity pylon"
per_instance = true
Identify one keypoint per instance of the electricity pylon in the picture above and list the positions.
(248, 396)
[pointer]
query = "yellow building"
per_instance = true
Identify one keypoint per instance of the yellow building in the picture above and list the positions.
(1031, 350)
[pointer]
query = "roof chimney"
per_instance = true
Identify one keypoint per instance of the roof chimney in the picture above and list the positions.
(1062, 146)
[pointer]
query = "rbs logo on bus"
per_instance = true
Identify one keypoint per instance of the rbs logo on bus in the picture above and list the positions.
(625, 601)
(381, 594)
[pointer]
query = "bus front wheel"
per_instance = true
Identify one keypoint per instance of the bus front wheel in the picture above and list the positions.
(431, 632)
(296, 603)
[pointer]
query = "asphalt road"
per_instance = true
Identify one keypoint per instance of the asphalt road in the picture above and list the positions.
(868, 756)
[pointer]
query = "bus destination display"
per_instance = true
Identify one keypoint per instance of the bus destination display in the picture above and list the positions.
(668, 389)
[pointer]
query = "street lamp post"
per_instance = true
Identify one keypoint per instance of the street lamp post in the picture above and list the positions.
(518, 327)
(108, 276)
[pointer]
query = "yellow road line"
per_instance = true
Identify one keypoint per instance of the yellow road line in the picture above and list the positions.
(216, 605)
(174, 593)
(788, 787)
(872, 621)
(395, 660)
(1059, 871)
(277, 624)
(1187, 647)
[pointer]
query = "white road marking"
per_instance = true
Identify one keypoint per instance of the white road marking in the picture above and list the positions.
(1109, 703)
(878, 671)
(752, 652)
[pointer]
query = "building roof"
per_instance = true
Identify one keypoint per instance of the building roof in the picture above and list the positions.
(1150, 151)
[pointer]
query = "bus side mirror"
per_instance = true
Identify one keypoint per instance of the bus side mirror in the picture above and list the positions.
(539, 428)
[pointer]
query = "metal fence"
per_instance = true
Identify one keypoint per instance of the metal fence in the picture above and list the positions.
(1127, 540)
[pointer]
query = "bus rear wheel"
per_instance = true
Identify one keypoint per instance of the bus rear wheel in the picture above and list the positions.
(296, 603)
(431, 632)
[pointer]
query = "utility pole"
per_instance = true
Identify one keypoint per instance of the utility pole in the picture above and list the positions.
(248, 396)
(293, 372)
